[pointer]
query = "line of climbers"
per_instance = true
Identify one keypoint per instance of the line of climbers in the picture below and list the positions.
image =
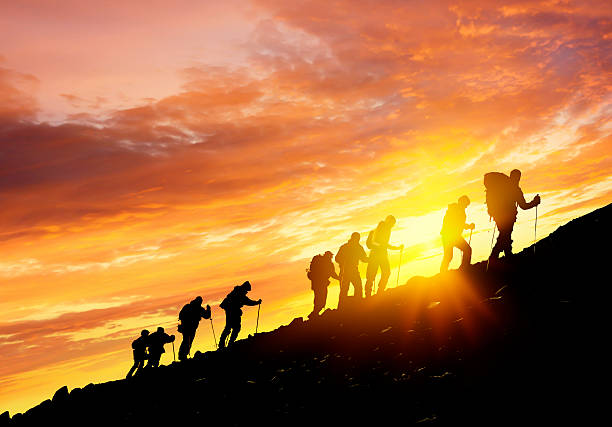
(151, 347)
(503, 195)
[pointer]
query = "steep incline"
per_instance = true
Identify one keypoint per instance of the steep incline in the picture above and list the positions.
(513, 344)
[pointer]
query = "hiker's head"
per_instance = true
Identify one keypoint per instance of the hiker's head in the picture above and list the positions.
(246, 286)
(390, 221)
(515, 176)
(328, 254)
(355, 237)
(144, 333)
(197, 300)
(160, 329)
(464, 201)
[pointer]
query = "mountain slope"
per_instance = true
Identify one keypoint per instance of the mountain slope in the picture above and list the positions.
(511, 344)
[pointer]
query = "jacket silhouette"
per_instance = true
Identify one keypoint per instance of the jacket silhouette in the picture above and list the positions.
(139, 345)
(190, 316)
(348, 258)
(503, 197)
(155, 344)
(452, 229)
(232, 304)
(321, 269)
(378, 242)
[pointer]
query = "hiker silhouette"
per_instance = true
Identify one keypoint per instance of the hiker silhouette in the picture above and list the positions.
(503, 195)
(452, 227)
(189, 317)
(320, 270)
(155, 343)
(348, 258)
(378, 243)
(232, 304)
(140, 353)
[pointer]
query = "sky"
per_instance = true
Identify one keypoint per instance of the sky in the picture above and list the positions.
(154, 151)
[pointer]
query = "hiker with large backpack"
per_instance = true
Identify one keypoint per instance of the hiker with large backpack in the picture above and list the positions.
(232, 304)
(139, 345)
(348, 258)
(378, 243)
(503, 196)
(320, 270)
(452, 229)
(155, 344)
(190, 316)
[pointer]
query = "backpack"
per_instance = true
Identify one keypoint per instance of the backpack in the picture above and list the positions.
(369, 239)
(497, 188)
(315, 266)
(184, 313)
(229, 298)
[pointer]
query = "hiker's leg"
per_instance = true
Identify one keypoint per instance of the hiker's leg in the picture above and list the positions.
(373, 264)
(385, 272)
(139, 366)
(356, 280)
(448, 255)
(344, 286)
(318, 302)
(226, 330)
(508, 247)
(499, 243)
(467, 252)
(133, 368)
(504, 240)
(323, 299)
(236, 326)
(185, 344)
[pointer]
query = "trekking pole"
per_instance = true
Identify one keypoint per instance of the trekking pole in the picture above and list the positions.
(492, 237)
(470, 241)
(399, 267)
(213, 331)
(190, 344)
(535, 230)
(257, 324)
(173, 352)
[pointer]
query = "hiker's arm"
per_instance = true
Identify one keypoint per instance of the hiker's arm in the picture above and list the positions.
(523, 204)
(249, 301)
(333, 274)
(339, 256)
(206, 312)
(362, 256)
(469, 226)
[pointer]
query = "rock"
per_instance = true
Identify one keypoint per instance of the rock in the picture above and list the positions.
(61, 395)
(297, 321)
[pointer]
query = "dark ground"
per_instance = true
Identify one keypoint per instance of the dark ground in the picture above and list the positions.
(514, 345)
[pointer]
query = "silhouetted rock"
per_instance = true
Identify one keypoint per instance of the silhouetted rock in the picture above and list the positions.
(513, 345)
(61, 395)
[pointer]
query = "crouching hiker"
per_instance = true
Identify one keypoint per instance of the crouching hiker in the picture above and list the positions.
(140, 353)
(232, 304)
(190, 316)
(321, 269)
(155, 343)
